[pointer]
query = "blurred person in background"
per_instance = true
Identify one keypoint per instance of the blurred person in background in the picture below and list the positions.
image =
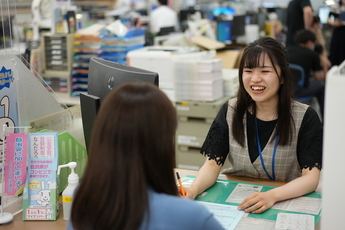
(320, 46)
(337, 20)
(163, 16)
(299, 16)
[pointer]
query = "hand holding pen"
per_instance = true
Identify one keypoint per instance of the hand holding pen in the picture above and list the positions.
(183, 193)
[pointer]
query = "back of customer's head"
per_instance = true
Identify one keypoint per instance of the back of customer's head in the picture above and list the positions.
(303, 36)
(132, 149)
(163, 2)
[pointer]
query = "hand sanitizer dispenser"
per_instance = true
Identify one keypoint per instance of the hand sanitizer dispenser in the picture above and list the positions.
(67, 194)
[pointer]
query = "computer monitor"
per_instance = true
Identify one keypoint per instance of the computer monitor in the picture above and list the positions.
(282, 15)
(166, 30)
(185, 14)
(258, 19)
(238, 26)
(262, 18)
(323, 14)
(103, 77)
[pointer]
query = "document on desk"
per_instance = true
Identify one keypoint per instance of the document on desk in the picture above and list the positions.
(301, 204)
(248, 223)
(227, 215)
(242, 191)
(295, 221)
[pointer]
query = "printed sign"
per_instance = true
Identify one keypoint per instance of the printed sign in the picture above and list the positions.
(8, 99)
(40, 198)
(15, 170)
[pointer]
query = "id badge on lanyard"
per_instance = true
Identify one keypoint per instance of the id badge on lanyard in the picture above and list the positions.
(273, 177)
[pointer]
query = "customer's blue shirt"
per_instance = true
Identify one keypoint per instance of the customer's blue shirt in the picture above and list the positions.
(174, 213)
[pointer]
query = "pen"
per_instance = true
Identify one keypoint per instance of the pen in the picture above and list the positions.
(181, 187)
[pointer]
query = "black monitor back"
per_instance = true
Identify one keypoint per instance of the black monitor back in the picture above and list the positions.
(89, 106)
(166, 30)
(238, 26)
(103, 77)
(106, 75)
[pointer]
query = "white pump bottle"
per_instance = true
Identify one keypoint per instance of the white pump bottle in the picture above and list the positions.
(67, 194)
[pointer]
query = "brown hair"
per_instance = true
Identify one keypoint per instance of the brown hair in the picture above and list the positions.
(132, 149)
(251, 58)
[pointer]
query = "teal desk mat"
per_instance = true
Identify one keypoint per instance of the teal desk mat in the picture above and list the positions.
(221, 190)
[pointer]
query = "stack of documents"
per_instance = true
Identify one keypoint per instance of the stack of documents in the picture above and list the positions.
(209, 66)
(199, 80)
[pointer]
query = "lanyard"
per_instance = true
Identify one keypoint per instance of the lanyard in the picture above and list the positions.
(260, 153)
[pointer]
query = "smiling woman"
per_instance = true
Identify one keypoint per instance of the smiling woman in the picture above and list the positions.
(264, 132)
(262, 84)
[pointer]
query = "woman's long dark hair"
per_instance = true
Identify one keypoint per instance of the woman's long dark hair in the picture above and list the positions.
(251, 58)
(132, 149)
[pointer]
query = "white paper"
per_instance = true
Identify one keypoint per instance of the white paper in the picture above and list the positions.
(241, 192)
(300, 204)
(295, 221)
(227, 215)
(247, 223)
(187, 181)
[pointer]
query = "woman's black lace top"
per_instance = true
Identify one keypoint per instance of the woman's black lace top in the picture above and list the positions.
(309, 145)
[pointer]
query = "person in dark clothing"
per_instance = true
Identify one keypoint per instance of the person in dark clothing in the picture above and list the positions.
(299, 16)
(320, 46)
(337, 47)
(303, 54)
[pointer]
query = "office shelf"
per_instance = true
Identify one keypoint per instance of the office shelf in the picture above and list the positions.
(195, 119)
(84, 48)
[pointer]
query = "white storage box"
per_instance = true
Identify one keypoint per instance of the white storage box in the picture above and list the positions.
(160, 60)
(231, 84)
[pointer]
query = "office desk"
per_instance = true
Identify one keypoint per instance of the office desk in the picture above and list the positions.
(18, 224)
(60, 224)
(246, 180)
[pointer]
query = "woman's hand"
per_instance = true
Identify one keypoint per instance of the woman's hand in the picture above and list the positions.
(337, 23)
(260, 201)
(191, 192)
(257, 202)
(205, 178)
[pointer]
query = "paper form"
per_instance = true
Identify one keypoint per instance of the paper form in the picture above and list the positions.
(254, 223)
(241, 192)
(295, 221)
(227, 215)
(300, 204)
(187, 181)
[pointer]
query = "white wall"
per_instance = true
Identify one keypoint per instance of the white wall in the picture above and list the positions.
(333, 183)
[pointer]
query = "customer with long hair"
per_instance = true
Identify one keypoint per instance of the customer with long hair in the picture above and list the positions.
(129, 182)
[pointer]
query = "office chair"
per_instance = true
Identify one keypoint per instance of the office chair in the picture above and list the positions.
(299, 76)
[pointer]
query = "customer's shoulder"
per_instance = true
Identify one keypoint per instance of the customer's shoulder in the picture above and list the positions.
(176, 203)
